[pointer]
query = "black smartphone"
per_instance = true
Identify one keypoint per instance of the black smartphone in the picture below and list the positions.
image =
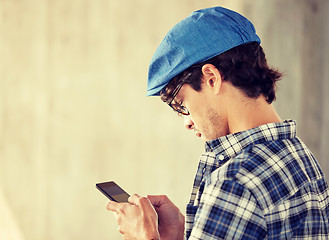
(112, 191)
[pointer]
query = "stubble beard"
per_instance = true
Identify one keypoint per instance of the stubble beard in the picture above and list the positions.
(216, 126)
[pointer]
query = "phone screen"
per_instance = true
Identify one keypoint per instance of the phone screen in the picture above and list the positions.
(112, 191)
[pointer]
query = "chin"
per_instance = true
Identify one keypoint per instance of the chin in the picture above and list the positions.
(205, 139)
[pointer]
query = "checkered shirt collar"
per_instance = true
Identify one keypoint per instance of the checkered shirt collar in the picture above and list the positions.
(229, 146)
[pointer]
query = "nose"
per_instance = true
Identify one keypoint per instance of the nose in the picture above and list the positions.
(188, 123)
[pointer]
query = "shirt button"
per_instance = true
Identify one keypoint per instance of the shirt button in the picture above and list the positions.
(221, 157)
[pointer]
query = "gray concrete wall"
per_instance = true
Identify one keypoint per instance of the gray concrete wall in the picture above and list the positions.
(73, 110)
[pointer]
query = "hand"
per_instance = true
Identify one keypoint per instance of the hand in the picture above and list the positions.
(171, 220)
(137, 219)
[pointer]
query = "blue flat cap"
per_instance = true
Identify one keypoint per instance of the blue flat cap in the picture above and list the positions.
(204, 34)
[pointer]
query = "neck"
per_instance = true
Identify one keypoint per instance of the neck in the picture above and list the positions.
(246, 113)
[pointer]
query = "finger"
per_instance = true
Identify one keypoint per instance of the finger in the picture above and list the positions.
(142, 202)
(113, 206)
(134, 199)
(137, 200)
(147, 206)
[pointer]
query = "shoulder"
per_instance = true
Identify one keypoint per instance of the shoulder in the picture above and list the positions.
(267, 158)
(270, 171)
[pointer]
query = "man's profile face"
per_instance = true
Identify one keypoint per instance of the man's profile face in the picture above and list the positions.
(204, 119)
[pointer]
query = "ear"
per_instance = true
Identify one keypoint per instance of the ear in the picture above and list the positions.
(212, 77)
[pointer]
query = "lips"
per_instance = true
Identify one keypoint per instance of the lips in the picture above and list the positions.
(196, 132)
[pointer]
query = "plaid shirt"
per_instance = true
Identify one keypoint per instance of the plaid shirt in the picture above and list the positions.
(263, 183)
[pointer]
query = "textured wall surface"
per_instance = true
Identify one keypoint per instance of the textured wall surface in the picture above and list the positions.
(73, 110)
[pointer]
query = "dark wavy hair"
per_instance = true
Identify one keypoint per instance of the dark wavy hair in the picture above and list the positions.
(245, 66)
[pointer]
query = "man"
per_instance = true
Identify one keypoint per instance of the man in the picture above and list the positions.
(256, 179)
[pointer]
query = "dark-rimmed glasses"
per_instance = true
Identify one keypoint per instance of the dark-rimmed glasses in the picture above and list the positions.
(178, 107)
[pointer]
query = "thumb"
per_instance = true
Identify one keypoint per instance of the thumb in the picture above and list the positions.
(113, 206)
(158, 200)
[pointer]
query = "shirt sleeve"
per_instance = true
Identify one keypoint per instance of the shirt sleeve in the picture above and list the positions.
(228, 210)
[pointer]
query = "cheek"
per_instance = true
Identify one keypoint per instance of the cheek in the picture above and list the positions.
(200, 121)
(197, 114)
(212, 125)
(201, 114)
